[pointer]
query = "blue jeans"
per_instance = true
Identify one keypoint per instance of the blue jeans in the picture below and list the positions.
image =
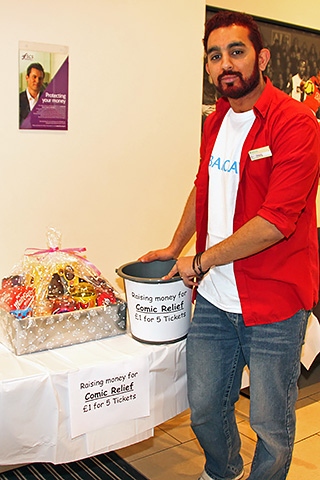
(219, 345)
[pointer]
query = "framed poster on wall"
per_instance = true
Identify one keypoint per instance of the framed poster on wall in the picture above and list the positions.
(43, 86)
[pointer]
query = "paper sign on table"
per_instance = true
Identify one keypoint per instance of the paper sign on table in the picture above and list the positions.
(108, 394)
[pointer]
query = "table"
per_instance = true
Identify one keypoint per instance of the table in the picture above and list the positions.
(34, 399)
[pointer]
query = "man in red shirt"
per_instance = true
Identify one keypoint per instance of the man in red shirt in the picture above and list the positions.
(312, 90)
(256, 267)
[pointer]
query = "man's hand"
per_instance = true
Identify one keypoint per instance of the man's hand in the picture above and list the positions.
(161, 254)
(184, 266)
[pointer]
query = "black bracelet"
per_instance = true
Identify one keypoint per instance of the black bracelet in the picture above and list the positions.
(199, 265)
(195, 258)
(196, 263)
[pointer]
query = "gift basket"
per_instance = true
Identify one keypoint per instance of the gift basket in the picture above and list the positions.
(55, 297)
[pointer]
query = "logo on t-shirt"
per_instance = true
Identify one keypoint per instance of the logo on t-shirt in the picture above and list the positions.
(229, 166)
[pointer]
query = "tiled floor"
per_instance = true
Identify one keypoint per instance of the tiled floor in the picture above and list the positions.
(174, 454)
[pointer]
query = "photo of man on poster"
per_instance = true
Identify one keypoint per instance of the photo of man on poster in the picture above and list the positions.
(35, 87)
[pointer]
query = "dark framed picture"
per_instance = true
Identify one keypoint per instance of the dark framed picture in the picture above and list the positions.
(295, 57)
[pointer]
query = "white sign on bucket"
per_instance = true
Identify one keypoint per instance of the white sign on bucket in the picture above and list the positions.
(159, 311)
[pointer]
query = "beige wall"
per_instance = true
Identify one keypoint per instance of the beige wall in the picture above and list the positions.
(117, 181)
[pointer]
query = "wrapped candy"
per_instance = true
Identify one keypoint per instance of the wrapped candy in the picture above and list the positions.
(55, 280)
(56, 297)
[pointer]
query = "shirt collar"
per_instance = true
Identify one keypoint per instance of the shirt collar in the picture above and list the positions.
(31, 98)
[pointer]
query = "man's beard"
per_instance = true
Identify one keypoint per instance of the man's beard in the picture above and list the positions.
(246, 86)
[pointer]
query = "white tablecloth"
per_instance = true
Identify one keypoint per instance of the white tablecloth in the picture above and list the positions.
(34, 399)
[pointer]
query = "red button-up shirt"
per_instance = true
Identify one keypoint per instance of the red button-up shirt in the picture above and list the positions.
(277, 282)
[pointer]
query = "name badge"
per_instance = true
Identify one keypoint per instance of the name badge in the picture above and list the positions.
(259, 153)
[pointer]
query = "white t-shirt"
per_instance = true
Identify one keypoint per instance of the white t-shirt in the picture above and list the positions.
(219, 286)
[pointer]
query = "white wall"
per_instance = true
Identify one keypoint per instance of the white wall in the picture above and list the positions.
(117, 181)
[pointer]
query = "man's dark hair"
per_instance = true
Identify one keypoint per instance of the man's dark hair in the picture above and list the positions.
(37, 66)
(226, 19)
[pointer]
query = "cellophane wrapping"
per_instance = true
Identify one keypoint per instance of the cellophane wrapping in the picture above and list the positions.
(56, 297)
